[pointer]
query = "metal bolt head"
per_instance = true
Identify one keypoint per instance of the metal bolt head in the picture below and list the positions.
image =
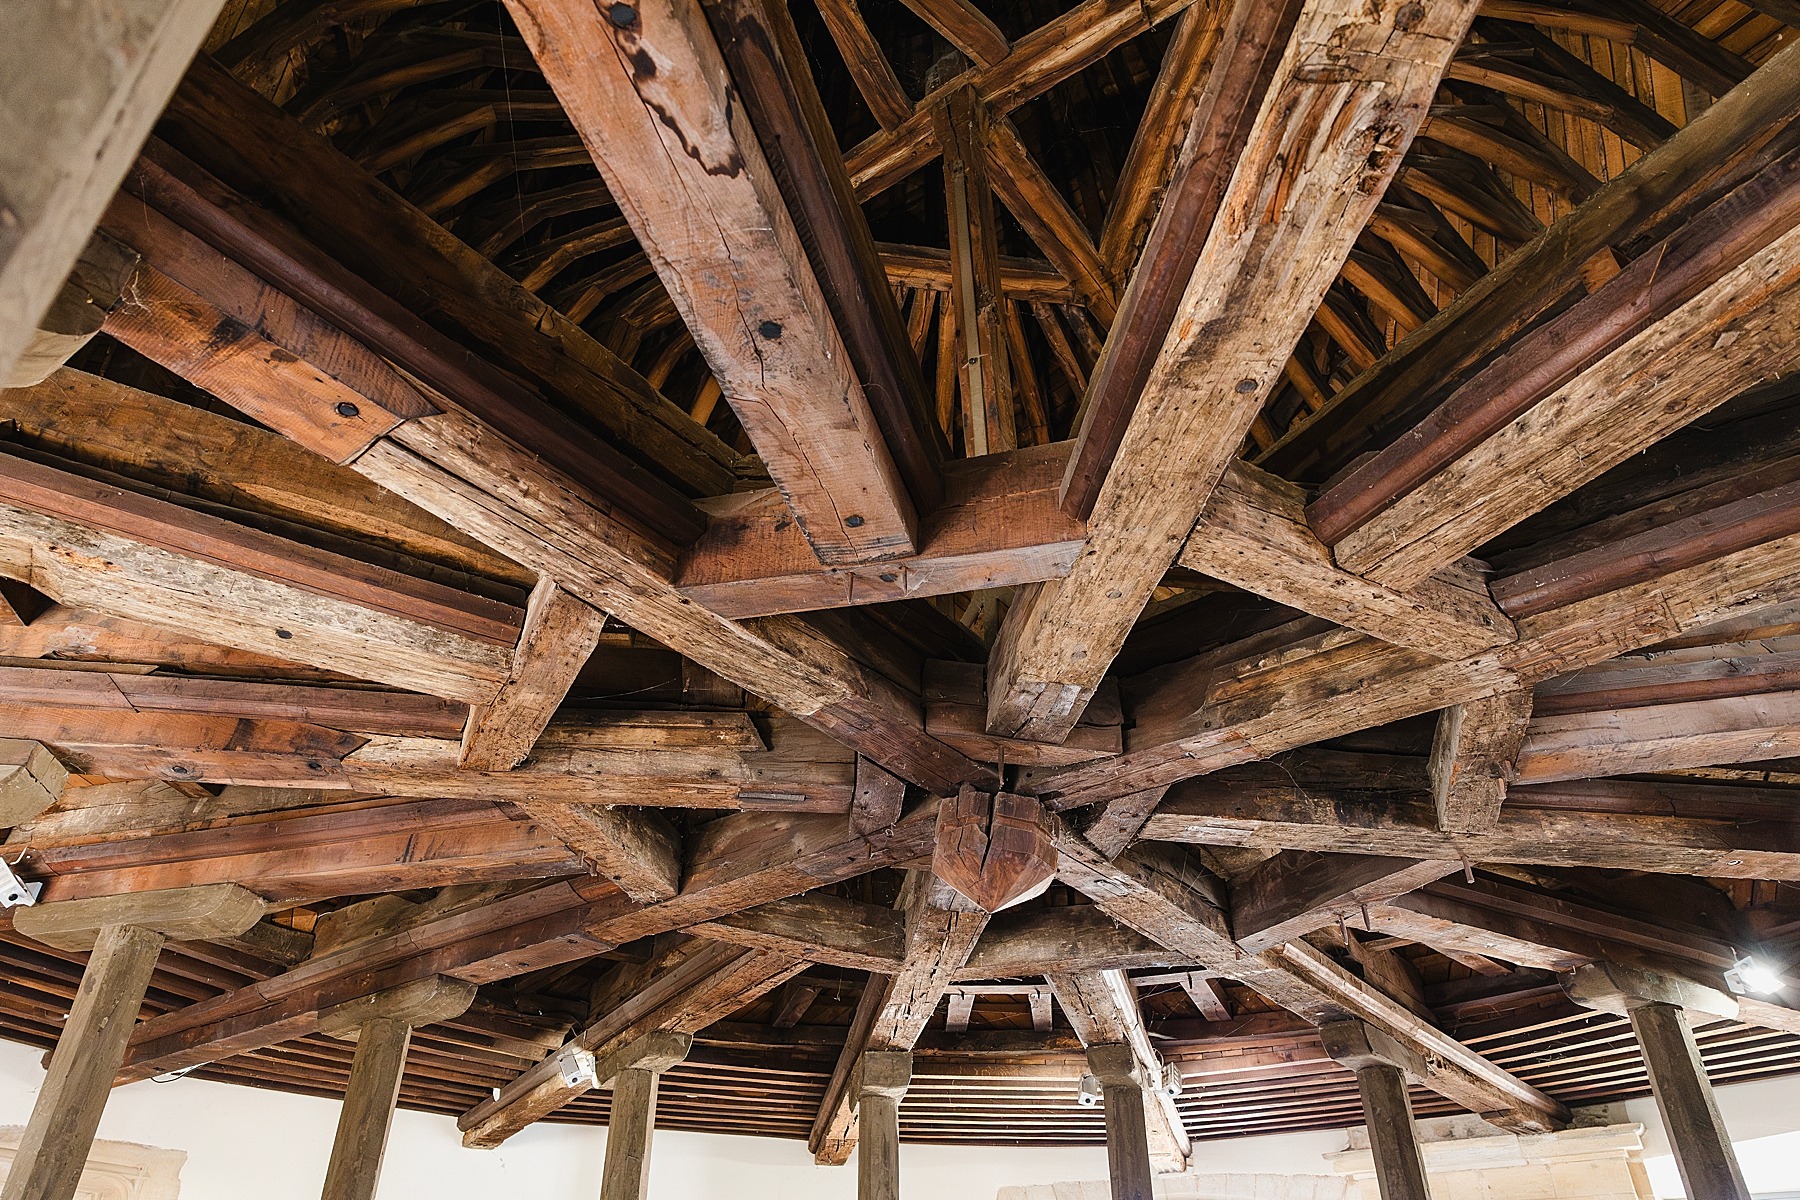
(347, 409)
(622, 15)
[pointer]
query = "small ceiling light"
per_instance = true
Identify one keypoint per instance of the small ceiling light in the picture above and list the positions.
(1091, 1092)
(1172, 1082)
(15, 892)
(576, 1067)
(1748, 976)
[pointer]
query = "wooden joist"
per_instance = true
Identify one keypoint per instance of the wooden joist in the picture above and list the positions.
(1661, 737)
(685, 987)
(1473, 757)
(649, 93)
(1164, 896)
(101, 547)
(1142, 496)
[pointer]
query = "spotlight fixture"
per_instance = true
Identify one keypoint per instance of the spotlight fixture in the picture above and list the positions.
(1091, 1092)
(576, 1066)
(1747, 976)
(15, 892)
(1172, 1082)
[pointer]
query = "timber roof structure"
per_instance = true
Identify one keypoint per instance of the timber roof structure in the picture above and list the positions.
(974, 526)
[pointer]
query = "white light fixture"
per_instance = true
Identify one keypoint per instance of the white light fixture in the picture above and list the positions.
(1091, 1092)
(1172, 1082)
(576, 1066)
(15, 892)
(1748, 976)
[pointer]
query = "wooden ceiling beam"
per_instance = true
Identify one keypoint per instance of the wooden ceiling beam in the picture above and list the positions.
(680, 159)
(1141, 499)
(976, 310)
(304, 857)
(1407, 828)
(684, 988)
(1296, 892)
(1474, 756)
(155, 562)
(1036, 63)
(352, 217)
(1714, 152)
(1661, 737)
(964, 26)
(1190, 722)
(1412, 507)
(1163, 895)
(868, 65)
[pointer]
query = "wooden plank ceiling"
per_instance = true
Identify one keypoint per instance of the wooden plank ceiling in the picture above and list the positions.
(562, 492)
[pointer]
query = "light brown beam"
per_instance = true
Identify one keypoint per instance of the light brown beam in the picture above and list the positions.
(1164, 895)
(964, 26)
(868, 65)
(882, 1077)
(1254, 535)
(83, 84)
(1128, 1158)
(152, 561)
(1060, 637)
(1473, 755)
(681, 160)
(558, 635)
(1189, 723)
(1528, 836)
(1381, 1069)
(1661, 737)
(961, 121)
(1296, 892)
(1037, 204)
(76, 314)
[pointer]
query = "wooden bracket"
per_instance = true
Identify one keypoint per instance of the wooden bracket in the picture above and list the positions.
(993, 848)
(192, 914)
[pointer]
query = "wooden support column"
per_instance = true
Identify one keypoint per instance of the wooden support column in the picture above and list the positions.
(975, 294)
(884, 1077)
(124, 934)
(381, 1025)
(627, 1172)
(1127, 1138)
(1657, 1006)
(1380, 1066)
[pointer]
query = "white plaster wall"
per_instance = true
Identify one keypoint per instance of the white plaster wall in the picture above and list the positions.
(238, 1137)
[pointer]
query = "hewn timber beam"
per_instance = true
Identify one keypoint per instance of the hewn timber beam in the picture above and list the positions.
(1474, 755)
(1163, 895)
(1036, 63)
(1254, 535)
(383, 743)
(999, 524)
(1102, 1007)
(685, 987)
(95, 546)
(975, 309)
(650, 93)
(301, 856)
(1661, 737)
(1290, 198)
(1297, 891)
(1189, 722)
(218, 459)
(1715, 151)
(941, 930)
(83, 85)
(730, 865)
(1407, 828)
(76, 315)
(471, 473)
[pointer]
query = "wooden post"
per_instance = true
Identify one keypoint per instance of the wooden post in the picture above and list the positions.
(382, 1025)
(1381, 1065)
(635, 1071)
(884, 1077)
(628, 1130)
(1127, 1137)
(1399, 1168)
(368, 1110)
(124, 934)
(1657, 1006)
(55, 1146)
(1684, 1096)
